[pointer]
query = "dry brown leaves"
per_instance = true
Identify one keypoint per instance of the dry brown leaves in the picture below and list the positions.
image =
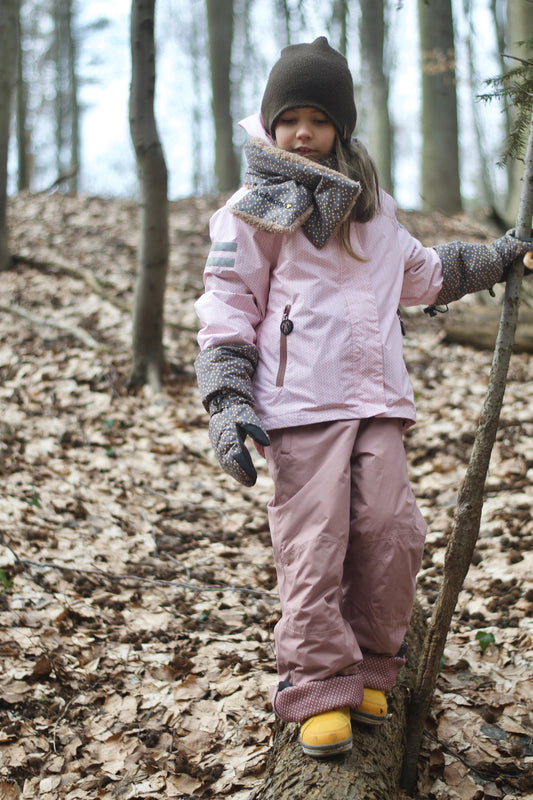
(138, 593)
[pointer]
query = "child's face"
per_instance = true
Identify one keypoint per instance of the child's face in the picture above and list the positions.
(306, 131)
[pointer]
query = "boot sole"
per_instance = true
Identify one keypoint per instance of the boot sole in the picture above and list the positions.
(326, 750)
(369, 719)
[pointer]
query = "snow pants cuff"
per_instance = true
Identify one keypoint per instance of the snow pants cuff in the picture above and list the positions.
(380, 671)
(298, 703)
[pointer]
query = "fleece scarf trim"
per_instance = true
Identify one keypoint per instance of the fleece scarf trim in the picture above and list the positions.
(288, 191)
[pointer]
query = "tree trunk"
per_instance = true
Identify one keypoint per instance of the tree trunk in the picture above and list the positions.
(59, 95)
(282, 18)
(339, 19)
(440, 151)
(379, 130)
(470, 499)
(519, 30)
(148, 308)
(200, 185)
(370, 772)
(66, 106)
(73, 105)
(487, 186)
(220, 27)
(499, 18)
(8, 73)
(23, 158)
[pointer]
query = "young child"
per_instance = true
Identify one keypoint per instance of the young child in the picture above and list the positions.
(301, 349)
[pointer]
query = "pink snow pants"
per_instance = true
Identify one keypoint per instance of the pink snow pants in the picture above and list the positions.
(348, 541)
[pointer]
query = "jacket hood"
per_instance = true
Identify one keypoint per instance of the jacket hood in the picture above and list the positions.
(253, 126)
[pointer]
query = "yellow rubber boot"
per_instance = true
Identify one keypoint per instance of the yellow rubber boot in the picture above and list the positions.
(327, 734)
(373, 709)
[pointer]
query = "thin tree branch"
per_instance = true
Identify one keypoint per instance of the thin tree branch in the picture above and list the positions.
(85, 275)
(470, 499)
(114, 577)
(74, 330)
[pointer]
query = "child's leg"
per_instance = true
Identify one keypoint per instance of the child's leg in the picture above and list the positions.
(385, 550)
(309, 521)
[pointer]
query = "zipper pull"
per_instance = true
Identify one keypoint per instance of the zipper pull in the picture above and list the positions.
(287, 325)
(402, 326)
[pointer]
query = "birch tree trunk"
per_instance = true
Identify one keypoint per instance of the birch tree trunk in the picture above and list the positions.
(8, 73)
(470, 499)
(147, 362)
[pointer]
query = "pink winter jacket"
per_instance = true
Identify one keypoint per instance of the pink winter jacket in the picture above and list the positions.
(343, 358)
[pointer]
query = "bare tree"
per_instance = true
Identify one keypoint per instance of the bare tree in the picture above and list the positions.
(282, 19)
(220, 27)
(467, 518)
(148, 308)
(487, 185)
(23, 156)
(519, 30)
(440, 149)
(379, 130)
(339, 22)
(196, 47)
(498, 10)
(66, 106)
(8, 73)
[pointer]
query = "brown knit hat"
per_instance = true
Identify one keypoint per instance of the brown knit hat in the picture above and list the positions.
(313, 75)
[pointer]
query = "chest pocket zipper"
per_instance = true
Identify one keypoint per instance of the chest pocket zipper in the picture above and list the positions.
(286, 327)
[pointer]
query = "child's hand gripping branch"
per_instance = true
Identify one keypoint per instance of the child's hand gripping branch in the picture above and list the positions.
(468, 268)
(225, 382)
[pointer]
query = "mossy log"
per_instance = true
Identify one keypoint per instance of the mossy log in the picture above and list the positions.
(370, 772)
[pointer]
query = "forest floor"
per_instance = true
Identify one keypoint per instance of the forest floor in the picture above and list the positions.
(137, 590)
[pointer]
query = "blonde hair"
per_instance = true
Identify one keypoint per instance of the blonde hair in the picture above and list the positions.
(354, 161)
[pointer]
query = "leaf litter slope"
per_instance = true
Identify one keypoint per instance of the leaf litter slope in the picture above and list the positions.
(138, 593)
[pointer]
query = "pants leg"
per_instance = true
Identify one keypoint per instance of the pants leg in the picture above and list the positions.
(316, 649)
(341, 516)
(387, 534)
(309, 518)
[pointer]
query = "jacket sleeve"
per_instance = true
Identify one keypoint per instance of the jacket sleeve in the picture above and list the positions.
(423, 277)
(236, 282)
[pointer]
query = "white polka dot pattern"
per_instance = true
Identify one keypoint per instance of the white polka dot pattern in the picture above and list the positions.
(379, 671)
(225, 381)
(231, 420)
(297, 703)
(468, 267)
(301, 701)
(227, 369)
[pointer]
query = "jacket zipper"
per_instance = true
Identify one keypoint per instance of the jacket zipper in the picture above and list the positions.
(286, 328)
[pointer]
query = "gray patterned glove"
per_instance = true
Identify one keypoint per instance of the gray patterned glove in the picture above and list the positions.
(468, 267)
(225, 381)
(231, 421)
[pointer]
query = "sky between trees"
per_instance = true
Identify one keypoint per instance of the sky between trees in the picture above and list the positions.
(108, 164)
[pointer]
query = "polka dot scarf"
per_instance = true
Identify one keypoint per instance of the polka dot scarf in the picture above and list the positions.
(289, 191)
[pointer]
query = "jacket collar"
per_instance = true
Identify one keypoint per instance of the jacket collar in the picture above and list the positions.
(288, 191)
